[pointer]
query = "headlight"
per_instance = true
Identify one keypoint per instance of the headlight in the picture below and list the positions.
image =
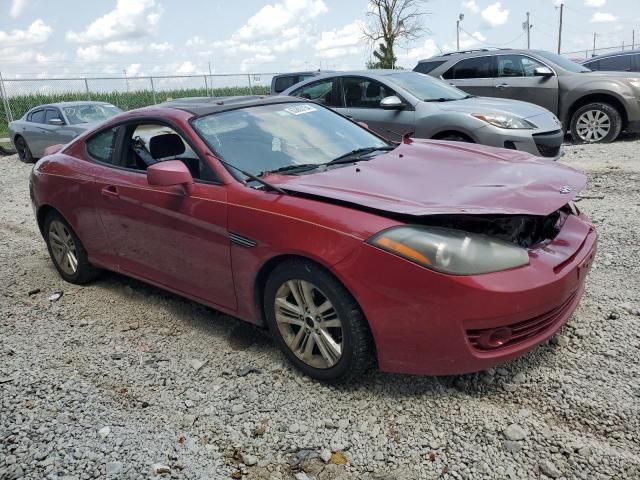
(510, 122)
(450, 251)
(635, 83)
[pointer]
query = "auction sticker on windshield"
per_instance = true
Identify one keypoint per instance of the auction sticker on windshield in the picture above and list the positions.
(300, 109)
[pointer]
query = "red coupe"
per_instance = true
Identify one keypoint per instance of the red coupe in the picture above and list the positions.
(426, 257)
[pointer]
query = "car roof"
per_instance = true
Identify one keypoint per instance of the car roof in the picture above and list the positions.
(200, 106)
(613, 54)
(479, 52)
(72, 104)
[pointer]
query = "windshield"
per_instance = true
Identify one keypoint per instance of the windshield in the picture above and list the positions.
(425, 87)
(270, 137)
(564, 63)
(90, 113)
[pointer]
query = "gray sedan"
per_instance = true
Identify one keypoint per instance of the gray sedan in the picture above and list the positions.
(393, 103)
(47, 125)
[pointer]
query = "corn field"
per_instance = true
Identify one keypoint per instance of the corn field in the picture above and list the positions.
(19, 96)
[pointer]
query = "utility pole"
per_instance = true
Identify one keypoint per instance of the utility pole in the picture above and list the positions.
(633, 39)
(593, 53)
(125, 78)
(211, 79)
(527, 27)
(560, 28)
(460, 18)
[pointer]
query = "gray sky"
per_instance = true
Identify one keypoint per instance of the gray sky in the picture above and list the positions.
(69, 37)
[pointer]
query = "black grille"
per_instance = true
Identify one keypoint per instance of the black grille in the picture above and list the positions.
(547, 151)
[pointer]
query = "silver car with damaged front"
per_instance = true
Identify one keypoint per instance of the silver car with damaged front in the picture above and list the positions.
(393, 102)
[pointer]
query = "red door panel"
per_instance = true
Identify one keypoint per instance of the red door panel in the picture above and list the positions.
(168, 236)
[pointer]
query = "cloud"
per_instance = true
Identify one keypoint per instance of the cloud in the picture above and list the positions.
(595, 3)
(428, 49)
(466, 41)
(36, 33)
(17, 7)
(123, 47)
(130, 19)
(600, 17)
(161, 47)
(494, 15)
(92, 53)
(186, 68)
(344, 41)
(471, 6)
(44, 58)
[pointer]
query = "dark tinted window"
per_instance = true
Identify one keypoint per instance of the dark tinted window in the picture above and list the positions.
(282, 83)
(358, 92)
(516, 66)
(37, 116)
(51, 113)
(101, 146)
(320, 92)
(621, 63)
(479, 67)
(426, 67)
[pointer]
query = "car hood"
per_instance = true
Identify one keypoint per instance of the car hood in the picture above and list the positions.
(428, 177)
(487, 105)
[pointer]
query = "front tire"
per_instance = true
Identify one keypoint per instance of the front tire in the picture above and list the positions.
(67, 252)
(317, 323)
(24, 152)
(596, 123)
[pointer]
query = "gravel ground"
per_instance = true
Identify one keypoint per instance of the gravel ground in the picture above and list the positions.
(122, 380)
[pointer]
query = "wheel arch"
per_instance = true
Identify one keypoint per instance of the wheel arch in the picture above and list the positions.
(599, 97)
(42, 213)
(444, 133)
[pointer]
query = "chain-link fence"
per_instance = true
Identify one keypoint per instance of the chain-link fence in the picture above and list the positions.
(590, 52)
(20, 95)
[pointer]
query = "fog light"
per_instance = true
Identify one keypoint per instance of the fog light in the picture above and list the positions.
(495, 338)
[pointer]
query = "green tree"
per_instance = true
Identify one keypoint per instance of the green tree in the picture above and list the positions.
(392, 22)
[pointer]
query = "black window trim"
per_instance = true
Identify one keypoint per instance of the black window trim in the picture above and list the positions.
(57, 110)
(616, 55)
(36, 110)
(121, 126)
(493, 57)
(408, 105)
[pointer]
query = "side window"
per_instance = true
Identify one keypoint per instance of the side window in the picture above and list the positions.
(595, 65)
(319, 92)
(153, 143)
(359, 92)
(621, 63)
(37, 116)
(478, 67)
(516, 66)
(101, 146)
(427, 67)
(51, 113)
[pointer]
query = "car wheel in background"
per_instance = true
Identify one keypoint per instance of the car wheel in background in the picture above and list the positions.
(317, 323)
(596, 123)
(66, 251)
(24, 153)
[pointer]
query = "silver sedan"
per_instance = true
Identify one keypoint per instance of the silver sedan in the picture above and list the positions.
(393, 102)
(56, 123)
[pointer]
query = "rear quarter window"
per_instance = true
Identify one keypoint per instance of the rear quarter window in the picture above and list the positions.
(428, 67)
(101, 146)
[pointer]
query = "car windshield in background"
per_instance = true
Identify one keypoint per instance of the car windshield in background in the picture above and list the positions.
(426, 88)
(280, 136)
(564, 63)
(90, 113)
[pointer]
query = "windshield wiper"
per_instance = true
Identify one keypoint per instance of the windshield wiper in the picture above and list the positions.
(358, 152)
(441, 99)
(302, 167)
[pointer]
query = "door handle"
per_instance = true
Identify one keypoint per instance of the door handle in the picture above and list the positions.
(110, 191)
(502, 86)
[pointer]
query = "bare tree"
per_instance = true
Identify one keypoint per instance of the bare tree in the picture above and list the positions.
(393, 22)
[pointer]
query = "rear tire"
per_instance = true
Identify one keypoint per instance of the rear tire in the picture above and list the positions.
(317, 323)
(596, 123)
(24, 153)
(67, 252)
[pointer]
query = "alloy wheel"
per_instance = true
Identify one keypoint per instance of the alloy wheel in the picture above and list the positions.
(309, 323)
(21, 147)
(593, 126)
(63, 247)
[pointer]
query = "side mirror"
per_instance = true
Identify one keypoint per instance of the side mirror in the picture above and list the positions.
(56, 121)
(392, 103)
(543, 72)
(168, 173)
